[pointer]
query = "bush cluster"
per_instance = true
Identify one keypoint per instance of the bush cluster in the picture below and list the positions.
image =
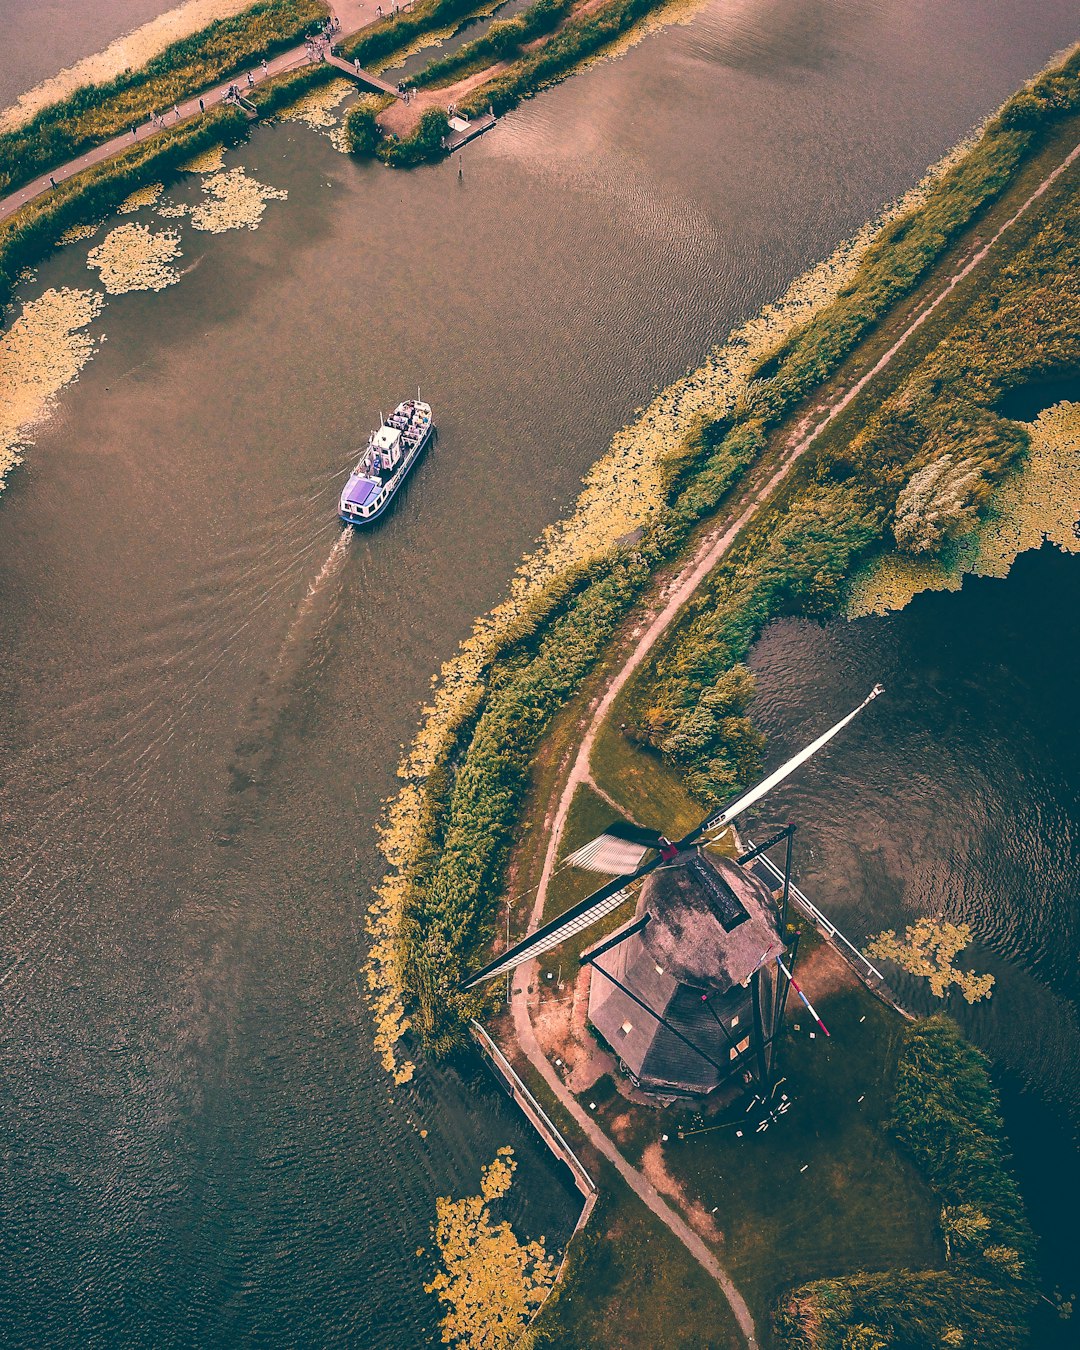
(93, 114)
(425, 144)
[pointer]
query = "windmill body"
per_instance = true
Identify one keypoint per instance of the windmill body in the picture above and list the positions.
(690, 993)
(686, 1002)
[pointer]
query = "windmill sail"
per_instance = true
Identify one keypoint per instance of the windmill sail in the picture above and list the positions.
(608, 898)
(754, 794)
(620, 848)
(579, 917)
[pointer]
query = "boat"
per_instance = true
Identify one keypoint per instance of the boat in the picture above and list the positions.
(391, 452)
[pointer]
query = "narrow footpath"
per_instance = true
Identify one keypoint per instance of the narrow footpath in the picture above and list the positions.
(353, 15)
(676, 594)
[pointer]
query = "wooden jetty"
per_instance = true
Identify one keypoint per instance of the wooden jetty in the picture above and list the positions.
(365, 77)
(462, 130)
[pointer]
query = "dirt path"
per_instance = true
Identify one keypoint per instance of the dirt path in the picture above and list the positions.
(640, 1185)
(712, 549)
(402, 119)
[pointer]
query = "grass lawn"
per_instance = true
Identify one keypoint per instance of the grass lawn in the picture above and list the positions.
(630, 1283)
(649, 790)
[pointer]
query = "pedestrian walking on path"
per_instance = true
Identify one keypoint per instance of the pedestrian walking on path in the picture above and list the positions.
(202, 106)
(265, 67)
(251, 80)
(176, 110)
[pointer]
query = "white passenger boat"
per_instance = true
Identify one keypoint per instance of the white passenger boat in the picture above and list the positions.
(391, 452)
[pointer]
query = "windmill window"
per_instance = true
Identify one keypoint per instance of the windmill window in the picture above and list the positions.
(735, 1020)
(743, 1045)
(627, 1028)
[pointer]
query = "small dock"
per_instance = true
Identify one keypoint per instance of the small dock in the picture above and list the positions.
(364, 77)
(462, 130)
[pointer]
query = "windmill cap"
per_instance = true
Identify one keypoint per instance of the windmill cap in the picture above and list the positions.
(712, 921)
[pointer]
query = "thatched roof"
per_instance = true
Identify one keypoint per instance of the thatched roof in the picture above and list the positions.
(712, 921)
(711, 924)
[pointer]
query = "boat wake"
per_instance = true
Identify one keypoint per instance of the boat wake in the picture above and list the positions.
(303, 651)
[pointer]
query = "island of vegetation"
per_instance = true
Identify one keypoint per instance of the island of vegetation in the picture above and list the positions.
(858, 421)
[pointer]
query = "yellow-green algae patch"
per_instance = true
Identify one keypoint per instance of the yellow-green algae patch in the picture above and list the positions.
(44, 350)
(318, 108)
(135, 258)
(233, 201)
(623, 491)
(77, 233)
(491, 1284)
(929, 948)
(210, 160)
(144, 196)
(1040, 502)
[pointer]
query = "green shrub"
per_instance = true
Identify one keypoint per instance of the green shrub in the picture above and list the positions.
(93, 114)
(362, 130)
(426, 142)
(503, 40)
(946, 1113)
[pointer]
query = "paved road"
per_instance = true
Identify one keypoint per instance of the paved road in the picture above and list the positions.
(353, 16)
(675, 595)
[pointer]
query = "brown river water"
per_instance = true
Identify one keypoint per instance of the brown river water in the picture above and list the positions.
(204, 689)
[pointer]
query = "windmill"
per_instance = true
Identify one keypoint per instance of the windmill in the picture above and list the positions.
(693, 986)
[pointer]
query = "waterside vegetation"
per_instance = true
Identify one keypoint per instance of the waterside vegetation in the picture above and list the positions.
(97, 112)
(32, 231)
(946, 1116)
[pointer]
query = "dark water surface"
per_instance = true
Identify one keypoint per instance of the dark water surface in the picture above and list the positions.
(204, 689)
(958, 795)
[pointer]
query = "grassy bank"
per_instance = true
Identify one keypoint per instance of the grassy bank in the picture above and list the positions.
(574, 43)
(912, 467)
(92, 115)
(33, 230)
(559, 46)
(392, 35)
(451, 829)
(947, 1117)
(503, 41)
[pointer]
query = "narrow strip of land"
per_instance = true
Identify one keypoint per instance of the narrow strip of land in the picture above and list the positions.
(358, 13)
(675, 595)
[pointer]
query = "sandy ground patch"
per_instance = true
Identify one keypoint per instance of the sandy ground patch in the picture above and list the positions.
(697, 1216)
(824, 972)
